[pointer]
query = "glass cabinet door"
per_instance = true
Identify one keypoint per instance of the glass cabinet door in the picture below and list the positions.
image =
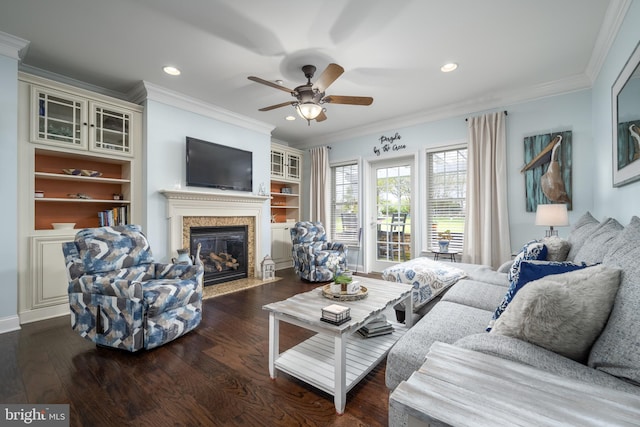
(111, 130)
(58, 118)
(277, 163)
(293, 166)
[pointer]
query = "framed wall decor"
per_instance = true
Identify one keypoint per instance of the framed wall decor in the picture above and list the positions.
(547, 169)
(625, 105)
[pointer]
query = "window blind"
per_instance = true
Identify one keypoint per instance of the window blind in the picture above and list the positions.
(446, 196)
(345, 203)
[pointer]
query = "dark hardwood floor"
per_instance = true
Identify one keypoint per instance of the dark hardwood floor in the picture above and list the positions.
(216, 375)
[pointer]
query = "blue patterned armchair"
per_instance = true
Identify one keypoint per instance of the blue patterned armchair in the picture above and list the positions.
(314, 258)
(120, 298)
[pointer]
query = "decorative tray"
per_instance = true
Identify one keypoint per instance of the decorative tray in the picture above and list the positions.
(344, 296)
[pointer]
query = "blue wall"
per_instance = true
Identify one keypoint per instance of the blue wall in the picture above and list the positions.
(166, 129)
(558, 113)
(9, 189)
(622, 202)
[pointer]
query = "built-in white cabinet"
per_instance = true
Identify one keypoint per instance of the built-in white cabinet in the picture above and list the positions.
(286, 163)
(286, 174)
(281, 245)
(62, 119)
(79, 158)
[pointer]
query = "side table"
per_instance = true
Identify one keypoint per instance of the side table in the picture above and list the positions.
(460, 387)
(450, 254)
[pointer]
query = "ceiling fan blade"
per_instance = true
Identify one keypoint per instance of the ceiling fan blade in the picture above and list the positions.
(273, 107)
(268, 83)
(328, 76)
(351, 100)
(321, 117)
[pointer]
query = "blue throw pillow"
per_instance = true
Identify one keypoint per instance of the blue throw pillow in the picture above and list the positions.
(533, 250)
(528, 272)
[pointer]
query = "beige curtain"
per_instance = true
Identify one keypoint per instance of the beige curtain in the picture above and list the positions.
(486, 230)
(319, 187)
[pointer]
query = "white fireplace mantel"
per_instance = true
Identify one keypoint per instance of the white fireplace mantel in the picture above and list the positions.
(181, 203)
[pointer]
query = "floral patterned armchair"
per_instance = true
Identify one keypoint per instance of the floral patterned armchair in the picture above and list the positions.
(314, 258)
(120, 298)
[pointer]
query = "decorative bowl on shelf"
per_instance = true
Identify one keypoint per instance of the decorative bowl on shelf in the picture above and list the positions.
(63, 225)
(69, 171)
(87, 172)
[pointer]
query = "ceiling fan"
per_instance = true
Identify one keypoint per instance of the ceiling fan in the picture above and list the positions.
(310, 96)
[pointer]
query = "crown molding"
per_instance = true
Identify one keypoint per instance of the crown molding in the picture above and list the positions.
(77, 84)
(611, 24)
(12, 46)
(483, 103)
(149, 91)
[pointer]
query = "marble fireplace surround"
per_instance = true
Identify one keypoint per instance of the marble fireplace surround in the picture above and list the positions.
(187, 209)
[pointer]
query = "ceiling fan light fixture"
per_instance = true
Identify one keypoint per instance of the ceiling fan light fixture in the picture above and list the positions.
(309, 110)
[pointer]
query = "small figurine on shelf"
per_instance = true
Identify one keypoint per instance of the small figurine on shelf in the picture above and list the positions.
(79, 196)
(273, 218)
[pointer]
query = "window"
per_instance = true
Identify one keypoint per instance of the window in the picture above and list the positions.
(446, 195)
(344, 203)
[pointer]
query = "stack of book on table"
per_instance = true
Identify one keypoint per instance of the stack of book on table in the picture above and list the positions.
(336, 314)
(378, 326)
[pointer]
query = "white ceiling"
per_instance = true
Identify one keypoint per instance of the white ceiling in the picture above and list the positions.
(507, 51)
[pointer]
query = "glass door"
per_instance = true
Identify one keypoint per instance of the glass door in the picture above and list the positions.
(59, 118)
(111, 130)
(392, 186)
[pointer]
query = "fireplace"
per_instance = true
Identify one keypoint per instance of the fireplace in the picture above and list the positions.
(224, 252)
(187, 209)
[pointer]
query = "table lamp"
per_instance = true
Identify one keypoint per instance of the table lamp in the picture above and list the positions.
(553, 215)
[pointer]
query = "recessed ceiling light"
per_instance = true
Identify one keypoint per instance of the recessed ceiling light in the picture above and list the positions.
(290, 118)
(280, 82)
(446, 68)
(172, 71)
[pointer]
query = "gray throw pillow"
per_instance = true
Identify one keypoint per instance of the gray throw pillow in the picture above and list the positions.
(599, 242)
(580, 233)
(617, 350)
(557, 248)
(563, 313)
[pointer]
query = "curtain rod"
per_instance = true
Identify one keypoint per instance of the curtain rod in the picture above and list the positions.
(328, 148)
(505, 113)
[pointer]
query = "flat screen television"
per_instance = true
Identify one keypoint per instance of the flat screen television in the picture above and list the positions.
(218, 166)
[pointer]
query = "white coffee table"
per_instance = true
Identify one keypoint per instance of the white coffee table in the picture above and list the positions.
(336, 358)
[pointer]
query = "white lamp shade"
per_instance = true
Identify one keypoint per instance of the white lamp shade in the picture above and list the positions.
(554, 215)
(309, 110)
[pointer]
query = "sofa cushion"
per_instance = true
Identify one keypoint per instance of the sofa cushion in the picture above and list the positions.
(580, 233)
(599, 242)
(530, 354)
(557, 248)
(446, 322)
(475, 294)
(529, 271)
(112, 248)
(533, 250)
(563, 313)
(621, 332)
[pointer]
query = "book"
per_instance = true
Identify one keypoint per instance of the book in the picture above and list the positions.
(378, 326)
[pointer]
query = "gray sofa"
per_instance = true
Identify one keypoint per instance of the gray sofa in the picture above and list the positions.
(462, 314)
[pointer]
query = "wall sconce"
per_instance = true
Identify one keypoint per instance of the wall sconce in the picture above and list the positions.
(553, 215)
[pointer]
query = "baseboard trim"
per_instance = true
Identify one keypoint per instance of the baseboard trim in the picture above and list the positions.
(44, 313)
(9, 324)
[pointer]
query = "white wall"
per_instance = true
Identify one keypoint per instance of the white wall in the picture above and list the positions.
(9, 191)
(623, 202)
(165, 166)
